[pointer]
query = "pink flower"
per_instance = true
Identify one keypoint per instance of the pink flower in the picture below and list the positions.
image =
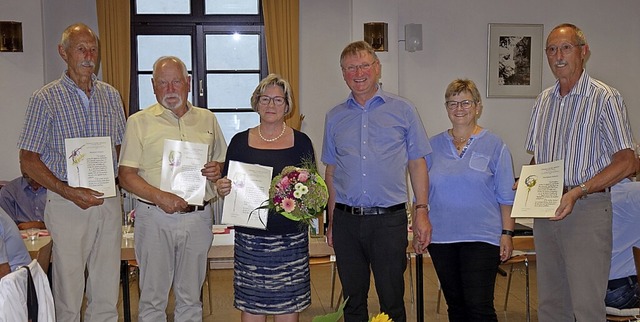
(288, 204)
(303, 176)
(284, 182)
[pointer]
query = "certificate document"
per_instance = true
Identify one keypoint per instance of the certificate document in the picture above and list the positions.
(249, 190)
(90, 164)
(180, 173)
(539, 190)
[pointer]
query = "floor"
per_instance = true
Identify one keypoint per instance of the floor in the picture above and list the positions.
(223, 309)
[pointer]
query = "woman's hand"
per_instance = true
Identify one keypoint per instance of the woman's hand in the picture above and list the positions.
(506, 247)
(223, 186)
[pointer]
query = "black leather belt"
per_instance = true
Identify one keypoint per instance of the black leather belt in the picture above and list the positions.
(365, 211)
(620, 282)
(566, 189)
(190, 208)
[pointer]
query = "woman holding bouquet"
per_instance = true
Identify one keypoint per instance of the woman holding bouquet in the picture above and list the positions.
(470, 193)
(271, 270)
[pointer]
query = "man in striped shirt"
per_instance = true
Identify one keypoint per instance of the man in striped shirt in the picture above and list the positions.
(584, 122)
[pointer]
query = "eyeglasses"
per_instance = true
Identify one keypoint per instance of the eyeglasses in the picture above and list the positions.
(354, 68)
(565, 49)
(452, 105)
(165, 84)
(277, 100)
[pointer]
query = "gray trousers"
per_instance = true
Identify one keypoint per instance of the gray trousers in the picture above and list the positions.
(85, 239)
(573, 261)
(171, 249)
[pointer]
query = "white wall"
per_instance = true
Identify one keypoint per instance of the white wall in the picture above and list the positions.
(20, 74)
(58, 15)
(454, 34)
(455, 45)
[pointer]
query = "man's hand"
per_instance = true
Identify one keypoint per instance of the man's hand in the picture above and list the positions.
(4, 269)
(170, 203)
(421, 230)
(566, 204)
(329, 236)
(82, 197)
(212, 170)
(223, 186)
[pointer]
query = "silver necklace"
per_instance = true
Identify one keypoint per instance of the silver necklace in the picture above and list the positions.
(284, 127)
(463, 139)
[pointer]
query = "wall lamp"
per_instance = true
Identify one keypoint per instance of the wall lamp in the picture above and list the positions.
(377, 35)
(10, 36)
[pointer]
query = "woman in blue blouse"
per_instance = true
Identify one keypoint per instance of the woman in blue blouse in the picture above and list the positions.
(470, 194)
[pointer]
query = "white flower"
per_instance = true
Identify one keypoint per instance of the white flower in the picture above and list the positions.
(301, 188)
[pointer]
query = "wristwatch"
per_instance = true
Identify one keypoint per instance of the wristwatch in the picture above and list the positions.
(507, 232)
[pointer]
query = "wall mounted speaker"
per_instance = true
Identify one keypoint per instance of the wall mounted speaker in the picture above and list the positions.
(413, 37)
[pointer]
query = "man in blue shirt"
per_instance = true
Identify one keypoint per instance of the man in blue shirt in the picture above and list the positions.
(13, 252)
(370, 142)
(24, 199)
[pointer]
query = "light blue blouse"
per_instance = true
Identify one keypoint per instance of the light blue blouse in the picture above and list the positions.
(465, 192)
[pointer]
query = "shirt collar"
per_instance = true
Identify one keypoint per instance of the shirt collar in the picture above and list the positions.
(24, 184)
(578, 88)
(67, 81)
(157, 110)
(378, 99)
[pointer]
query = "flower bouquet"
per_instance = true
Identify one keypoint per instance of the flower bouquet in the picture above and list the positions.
(298, 193)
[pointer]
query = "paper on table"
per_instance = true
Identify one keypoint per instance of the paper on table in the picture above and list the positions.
(539, 190)
(181, 165)
(250, 190)
(90, 164)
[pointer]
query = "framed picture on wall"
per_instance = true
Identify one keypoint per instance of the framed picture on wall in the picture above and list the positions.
(514, 65)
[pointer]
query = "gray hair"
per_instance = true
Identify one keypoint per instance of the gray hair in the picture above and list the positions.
(66, 34)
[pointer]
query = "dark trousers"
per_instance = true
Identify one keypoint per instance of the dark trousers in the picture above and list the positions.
(623, 293)
(365, 244)
(467, 274)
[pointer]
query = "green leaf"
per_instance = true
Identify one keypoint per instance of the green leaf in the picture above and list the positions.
(332, 317)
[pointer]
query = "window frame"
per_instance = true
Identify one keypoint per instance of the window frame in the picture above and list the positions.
(198, 26)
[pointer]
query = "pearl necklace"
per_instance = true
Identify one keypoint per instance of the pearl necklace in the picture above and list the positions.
(284, 127)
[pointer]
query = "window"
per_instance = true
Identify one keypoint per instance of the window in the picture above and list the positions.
(222, 44)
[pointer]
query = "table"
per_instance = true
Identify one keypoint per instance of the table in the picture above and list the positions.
(34, 246)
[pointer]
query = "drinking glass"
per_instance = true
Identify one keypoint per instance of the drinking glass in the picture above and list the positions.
(33, 233)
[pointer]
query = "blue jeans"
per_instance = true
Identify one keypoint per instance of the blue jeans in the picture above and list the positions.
(626, 296)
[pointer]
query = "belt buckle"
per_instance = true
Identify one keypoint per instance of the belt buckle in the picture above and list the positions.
(358, 211)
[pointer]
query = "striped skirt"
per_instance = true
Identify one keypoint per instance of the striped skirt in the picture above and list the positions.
(271, 273)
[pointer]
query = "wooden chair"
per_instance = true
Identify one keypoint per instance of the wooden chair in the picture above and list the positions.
(44, 256)
(329, 259)
(524, 248)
